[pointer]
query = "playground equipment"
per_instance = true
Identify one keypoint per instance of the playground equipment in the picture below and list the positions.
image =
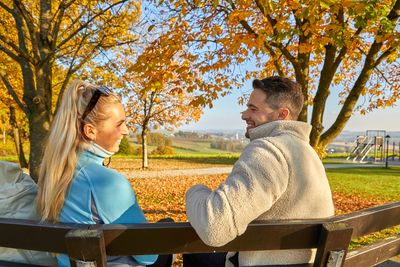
(373, 140)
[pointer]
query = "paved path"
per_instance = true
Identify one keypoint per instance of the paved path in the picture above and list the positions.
(184, 172)
(226, 170)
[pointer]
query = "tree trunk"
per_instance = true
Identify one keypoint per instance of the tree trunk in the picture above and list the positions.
(39, 112)
(351, 100)
(17, 139)
(145, 163)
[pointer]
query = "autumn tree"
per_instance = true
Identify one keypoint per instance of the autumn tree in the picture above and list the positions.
(162, 88)
(347, 46)
(45, 36)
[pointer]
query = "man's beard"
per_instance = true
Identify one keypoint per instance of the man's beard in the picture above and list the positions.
(247, 135)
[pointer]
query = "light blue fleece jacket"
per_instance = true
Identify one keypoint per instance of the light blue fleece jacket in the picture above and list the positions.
(113, 197)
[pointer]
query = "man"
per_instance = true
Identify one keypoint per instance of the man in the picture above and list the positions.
(278, 176)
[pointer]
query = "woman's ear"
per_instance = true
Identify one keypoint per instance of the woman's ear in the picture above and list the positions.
(90, 131)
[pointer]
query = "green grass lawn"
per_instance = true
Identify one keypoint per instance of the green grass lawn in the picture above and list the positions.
(377, 183)
(370, 183)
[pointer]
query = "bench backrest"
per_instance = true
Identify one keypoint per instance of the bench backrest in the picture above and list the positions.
(331, 237)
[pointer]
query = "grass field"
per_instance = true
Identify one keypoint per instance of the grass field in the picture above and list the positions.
(371, 183)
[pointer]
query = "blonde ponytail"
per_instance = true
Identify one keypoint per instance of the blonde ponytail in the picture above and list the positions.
(64, 142)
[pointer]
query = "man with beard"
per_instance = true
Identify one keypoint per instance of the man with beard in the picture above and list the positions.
(278, 176)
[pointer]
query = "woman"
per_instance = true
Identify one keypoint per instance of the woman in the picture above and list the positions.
(74, 186)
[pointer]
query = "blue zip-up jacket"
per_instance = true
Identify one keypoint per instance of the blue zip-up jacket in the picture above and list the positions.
(113, 196)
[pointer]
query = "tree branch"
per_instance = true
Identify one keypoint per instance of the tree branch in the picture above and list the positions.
(29, 22)
(12, 92)
(6, 8)
(84, 25)
(351, 100)
(21, 36)
(59, 16)
(10, 53)
(14, 47)
(384, 55)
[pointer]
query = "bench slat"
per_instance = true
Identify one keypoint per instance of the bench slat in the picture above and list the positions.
(181, 238)
(374, 254)
(27, 234)
(371, 220)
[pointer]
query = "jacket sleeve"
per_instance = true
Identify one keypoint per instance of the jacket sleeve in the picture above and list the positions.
(256, 182)
(116, 203)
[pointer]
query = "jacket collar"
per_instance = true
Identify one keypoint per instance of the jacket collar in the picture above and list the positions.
(298, 129)
(95, 153)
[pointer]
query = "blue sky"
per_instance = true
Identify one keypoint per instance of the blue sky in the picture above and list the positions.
(225, 115)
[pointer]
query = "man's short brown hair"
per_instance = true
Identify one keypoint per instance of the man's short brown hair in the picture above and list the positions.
(282, 92)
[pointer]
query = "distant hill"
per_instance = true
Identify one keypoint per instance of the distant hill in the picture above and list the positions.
(349, 136)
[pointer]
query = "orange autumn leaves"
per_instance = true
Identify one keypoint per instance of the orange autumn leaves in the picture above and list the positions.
(165, 197)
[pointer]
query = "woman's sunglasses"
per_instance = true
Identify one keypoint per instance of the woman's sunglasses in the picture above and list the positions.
(99, 91)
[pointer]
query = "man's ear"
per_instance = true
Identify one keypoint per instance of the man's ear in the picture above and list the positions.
(90, 131)
(284, 114)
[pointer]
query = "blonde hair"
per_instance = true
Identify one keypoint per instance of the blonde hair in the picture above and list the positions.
(65, 140)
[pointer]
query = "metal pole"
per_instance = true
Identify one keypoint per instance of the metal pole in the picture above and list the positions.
(393, 148)
(387, 153)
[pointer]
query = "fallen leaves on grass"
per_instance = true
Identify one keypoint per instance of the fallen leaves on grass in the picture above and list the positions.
(165, 197)
(128, 164)
(345, 203)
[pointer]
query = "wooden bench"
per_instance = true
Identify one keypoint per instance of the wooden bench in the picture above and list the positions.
(92, 243)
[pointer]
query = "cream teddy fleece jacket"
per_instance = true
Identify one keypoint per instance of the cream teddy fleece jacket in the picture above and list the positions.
(278, 176)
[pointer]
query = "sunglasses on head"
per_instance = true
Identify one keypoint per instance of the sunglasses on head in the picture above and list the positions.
(99, 91)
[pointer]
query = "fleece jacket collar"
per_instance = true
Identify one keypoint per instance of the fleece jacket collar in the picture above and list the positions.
(298, 129)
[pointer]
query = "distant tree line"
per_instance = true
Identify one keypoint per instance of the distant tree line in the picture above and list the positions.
(228, 145)
(163, 144)
(192, 135)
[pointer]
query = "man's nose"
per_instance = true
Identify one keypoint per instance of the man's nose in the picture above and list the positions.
(244, 115)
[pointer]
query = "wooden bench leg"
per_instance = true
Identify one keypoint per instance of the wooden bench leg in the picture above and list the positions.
(333, 243)
(86, 248)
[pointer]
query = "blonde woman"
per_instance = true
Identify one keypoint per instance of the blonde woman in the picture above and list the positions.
(74, 186)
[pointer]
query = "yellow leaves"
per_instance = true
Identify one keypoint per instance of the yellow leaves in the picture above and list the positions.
(218, 29)
(237, 15)
(305, 48)
(198, 101)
